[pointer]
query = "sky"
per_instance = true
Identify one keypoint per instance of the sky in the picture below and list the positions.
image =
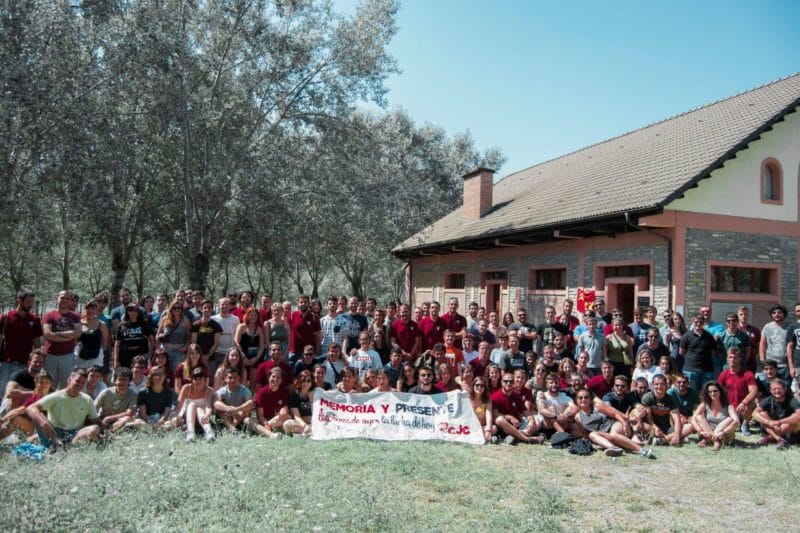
(542, 79)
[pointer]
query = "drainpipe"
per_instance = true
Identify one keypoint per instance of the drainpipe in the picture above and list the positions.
(669, 252)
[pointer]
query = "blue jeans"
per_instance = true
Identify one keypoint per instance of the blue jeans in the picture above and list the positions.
(698, 379)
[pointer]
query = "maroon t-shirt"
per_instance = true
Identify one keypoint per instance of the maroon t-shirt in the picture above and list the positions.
(303, 330)
(455, 323)
(59, 322)
(271, 402)
(479, 368)
(264, 314)
(599, 386)
(736, 384)
(20, 333)
(263, 370)
(405, 334)
(432, 331)
(513, 404)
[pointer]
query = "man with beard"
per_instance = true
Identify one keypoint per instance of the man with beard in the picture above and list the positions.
(305, 329)
(23, 332)
(405, 334)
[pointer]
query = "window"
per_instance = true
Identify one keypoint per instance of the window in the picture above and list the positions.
(455, 281)
(628, 271)
(741, 279)
(771, 182)
(548, 279)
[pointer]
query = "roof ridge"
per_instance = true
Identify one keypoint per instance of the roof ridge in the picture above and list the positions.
(650, 125)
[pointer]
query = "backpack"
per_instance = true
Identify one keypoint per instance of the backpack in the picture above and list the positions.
(561, 440)
(581, 447)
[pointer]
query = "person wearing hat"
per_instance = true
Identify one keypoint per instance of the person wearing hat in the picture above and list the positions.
(195, 403)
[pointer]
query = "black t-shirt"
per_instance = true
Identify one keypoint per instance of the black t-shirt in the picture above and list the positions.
(155, 402)
(660, 409)
(133, 341)
(699, 350)
(777, 410)
(418, 390)
(23, 379)
(205, 334)
(525, 345)
(547, 331)
(301, 403)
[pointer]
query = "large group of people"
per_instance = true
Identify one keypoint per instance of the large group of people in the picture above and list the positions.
(189, 363)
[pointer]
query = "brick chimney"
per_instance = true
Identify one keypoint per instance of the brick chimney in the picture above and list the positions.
(478, 193)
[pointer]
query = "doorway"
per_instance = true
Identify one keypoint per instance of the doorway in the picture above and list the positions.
(493, 291)
(622, 295)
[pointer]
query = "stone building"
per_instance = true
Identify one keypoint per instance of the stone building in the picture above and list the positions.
(701, 208)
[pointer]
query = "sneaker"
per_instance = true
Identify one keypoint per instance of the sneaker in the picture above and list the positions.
(495, 440)
(189, 437)
(745, 429)
(510, 440)
(276, 435)
(657, 441)
(647, 453)
(765, 440)
(210, 436)
(783, 444)
(536, 439)
(613, 452)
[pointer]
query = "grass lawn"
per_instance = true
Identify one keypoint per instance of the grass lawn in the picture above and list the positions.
(140, 482)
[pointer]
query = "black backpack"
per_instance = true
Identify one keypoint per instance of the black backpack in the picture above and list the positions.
(581, 447)
(561, 440)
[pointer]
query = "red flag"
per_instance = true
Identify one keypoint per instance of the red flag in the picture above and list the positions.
(586, 299)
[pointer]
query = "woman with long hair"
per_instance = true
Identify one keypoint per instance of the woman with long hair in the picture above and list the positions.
(676, 329)
(174, 332)
(233, 359)
(133, 338)
(482, 406)
(194, 359)
(408, 378)
(249, 338)
(301, 400)
(17, 419)
(447, 381)
(605, 426)
(619, 348)
(715, 419)
(94, 339)
(277, 328)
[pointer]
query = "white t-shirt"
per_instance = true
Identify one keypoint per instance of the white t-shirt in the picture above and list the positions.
(229, 326)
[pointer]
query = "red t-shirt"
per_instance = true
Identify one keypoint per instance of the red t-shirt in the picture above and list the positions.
(262, 373)
(271, 402)
(455, 323)
(303, 330)
(20, 333)
(736, 384)
(513, 404)
(59, 322)
(599, 386)
(264, 314)
(479, 368)
(432, 331)
(527, 395)
(405, 334)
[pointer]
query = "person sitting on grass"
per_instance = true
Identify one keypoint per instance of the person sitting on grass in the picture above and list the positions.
(117, 405)
(779, 416)
(715, 419)
(510, 417)
(17, 419)
(349, 383)
(301, 401)
(646, 366)
(740, 387)
(195, 403)
(21, 384)
(424, 382)
(663, 417)
(688, 400)
(482, 406)
(71, 415)
(605, 426)
(234, 401)
(272, 405)
(556, 409)
(154, 403)
(185, 370)
(447, 380)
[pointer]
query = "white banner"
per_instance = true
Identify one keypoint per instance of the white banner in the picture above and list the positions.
(395, 416)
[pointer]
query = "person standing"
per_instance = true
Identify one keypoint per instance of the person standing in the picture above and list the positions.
(697, 348)
(228, 322)
(21, 332)
(774, 339)
(62, 329)
(304, 329)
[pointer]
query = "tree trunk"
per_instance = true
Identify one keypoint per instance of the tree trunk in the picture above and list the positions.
(119, 264)
(198, 271)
